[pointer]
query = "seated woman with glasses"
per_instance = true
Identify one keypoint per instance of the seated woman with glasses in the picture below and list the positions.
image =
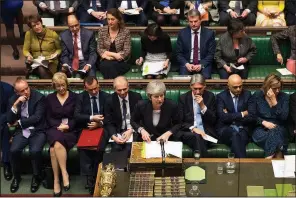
(61, 132)
(269, 108)
(41, 48)
(233, 50)
(156, 52)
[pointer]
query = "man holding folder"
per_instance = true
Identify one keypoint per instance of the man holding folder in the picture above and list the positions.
(89, 114)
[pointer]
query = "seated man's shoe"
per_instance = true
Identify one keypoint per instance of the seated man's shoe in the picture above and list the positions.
(91, 190)
(7, 173)
(35, 184)
(14, 186)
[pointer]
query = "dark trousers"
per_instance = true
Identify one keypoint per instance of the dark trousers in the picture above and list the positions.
(19, 142)
(195, 142)
(112, 69)
(242, 73)
(290, 19)
(5, 145)
(84, 17)
(250, 20)
(162, 20)
(206, 72)
(236, 140)
(139, 20)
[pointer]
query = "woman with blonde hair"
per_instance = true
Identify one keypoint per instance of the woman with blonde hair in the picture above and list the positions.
(271, 13)
(61, 132)
(270, 108)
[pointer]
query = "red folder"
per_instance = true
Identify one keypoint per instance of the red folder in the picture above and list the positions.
(90, 139)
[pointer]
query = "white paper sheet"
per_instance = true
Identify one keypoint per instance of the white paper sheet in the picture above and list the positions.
(40, 61)
(210, 139)
(153, 149)
(284, 71)
(279, 169)
(48, 21)
(131, 12)
(153, 68)
(177, 12)
(241, 67)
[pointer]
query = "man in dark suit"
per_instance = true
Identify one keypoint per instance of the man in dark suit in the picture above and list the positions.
(245, 10)
(26, 113)
(233, 118)
(79, 50)
(118, 109)
(140, 5)
(56, 9)
(6, 91)
(89, 113)
(90, 11)
(197, 110)
(195, 47)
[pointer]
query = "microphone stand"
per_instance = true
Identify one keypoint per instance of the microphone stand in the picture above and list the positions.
(162, 156)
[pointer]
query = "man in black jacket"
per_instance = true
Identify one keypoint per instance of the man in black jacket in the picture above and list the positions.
(26, 113)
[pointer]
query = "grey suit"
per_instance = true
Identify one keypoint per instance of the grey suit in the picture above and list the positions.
(226, 54)
(88, 47)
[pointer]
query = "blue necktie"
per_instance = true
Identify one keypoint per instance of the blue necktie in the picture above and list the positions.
(94, 5)
(129, 4)
(199, 124)
(165, 3)
(235, 103)
(196, 4)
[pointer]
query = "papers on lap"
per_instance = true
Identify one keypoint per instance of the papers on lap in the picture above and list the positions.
(131, 12)
(40, 61)
(153, 149)
(153, 68)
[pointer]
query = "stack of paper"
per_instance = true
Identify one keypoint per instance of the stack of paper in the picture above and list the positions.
(284, 72)
(153, 149)
(284, 168)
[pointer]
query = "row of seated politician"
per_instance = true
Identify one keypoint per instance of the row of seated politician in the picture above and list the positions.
(76, 51)
(235, 117)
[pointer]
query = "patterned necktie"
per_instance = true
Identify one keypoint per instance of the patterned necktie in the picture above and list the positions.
(129, 4)
(75, 62)
(235, 103)
(94, 105)
(94, 4)
(237, 7)
(195, 49)
(25, 114)
(124, 112)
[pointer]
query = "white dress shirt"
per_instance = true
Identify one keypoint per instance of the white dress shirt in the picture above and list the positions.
(233, 100)
(128, 113)
(192, 44)
(124, 4)
(156, 117)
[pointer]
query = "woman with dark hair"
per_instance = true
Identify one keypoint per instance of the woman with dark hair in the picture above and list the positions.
(42, 44)
(234, 49)
(114, 46)
(156, 49)
(269, 108)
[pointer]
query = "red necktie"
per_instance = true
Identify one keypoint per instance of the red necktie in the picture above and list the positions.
(75, 62)
(195, 49)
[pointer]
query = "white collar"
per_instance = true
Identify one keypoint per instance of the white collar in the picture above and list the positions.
(198, 31)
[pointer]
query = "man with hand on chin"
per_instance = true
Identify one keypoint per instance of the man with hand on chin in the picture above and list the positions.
(89, 113)
(197, 110)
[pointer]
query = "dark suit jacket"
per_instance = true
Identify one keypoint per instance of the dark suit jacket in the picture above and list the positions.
(247, 4)
(36, 110)
(225, 101)
(292, 113)
(106, 4)
(290, 6)
(141, 3)
(225, 53)
(69, 3)
(83, 108)
(113, 118)
(186, 112)
(207, 46)
(169, 119)
(88, 45)
(174, 4)
(6, 91)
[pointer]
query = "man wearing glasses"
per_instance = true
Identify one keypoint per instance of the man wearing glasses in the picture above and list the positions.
(233, 116)
(79, 48)
(89, 113)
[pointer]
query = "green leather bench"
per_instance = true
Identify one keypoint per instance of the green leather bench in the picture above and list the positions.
(261, 65)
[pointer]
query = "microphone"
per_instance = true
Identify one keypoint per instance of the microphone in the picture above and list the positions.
(162, 149)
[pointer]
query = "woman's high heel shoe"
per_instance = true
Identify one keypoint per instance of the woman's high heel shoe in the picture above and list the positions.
(66, 188)
(57, 194)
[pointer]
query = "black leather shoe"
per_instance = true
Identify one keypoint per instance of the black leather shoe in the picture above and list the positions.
(91, 190)
(57, 194)
(15, 184)
(66, 188)
(16, 55)
(7, 173)
(35, 184)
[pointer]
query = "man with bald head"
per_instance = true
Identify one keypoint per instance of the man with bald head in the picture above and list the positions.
(233, 117)
(118, 109)
(26, 113)
(79, 50)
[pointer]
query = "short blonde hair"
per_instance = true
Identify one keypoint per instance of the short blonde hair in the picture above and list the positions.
(59, 77)
(155, 87)
(271, 79)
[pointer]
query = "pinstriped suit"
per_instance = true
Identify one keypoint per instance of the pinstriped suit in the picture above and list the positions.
(225, 53)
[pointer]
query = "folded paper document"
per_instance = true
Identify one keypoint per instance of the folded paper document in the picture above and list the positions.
(131, 12)
(153, 149)
(40, 61)
(153, 68)
(241, 67)
(210, 139)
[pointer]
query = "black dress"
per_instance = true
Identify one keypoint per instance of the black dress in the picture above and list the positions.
(54, 115)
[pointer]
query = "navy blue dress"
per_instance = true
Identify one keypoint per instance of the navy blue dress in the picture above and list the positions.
(271, 140)
(55, 112)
